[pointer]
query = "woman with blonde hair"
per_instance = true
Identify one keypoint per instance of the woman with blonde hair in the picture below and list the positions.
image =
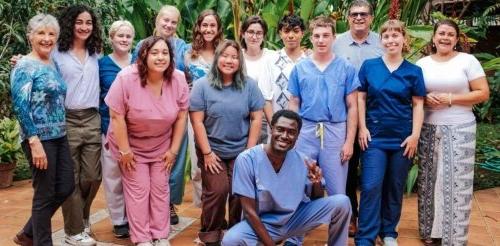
(121, 35)
(390, 103)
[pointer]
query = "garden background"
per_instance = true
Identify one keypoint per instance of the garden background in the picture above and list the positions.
(479, 20)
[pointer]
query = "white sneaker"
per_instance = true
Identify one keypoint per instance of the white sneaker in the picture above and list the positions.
(161, 242)
(390, 241)
(144, 244)
(82, 239)
(86, 226)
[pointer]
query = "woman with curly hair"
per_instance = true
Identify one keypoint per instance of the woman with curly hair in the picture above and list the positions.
(148, 104)
(226, 114)
(166, 25)
(76, 58)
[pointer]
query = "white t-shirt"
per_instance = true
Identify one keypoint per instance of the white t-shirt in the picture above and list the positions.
(452, 76)
(255, 68)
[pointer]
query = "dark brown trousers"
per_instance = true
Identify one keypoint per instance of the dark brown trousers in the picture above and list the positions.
(216, 190)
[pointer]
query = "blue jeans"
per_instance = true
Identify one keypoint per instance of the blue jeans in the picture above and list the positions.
(383, 176)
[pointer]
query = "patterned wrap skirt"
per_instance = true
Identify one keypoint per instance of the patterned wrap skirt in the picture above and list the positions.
(445, 180)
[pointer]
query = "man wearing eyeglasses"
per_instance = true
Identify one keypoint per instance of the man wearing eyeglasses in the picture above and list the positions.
(356, 45)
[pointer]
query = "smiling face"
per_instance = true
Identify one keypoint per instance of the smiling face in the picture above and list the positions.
(291, 37)
(393, 42)
(284, 134)
(158, 57)
(83, 26)
(445, 39)
(43, 41)
(208, 28)
(360, 19)
(254, 36)
(228, 62)
(322, 39)
(121, 41)
(166, 23)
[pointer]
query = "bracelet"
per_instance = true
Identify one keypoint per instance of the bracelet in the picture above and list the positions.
(449, 99)
(122, 153)
(208, 153)
(172, 153)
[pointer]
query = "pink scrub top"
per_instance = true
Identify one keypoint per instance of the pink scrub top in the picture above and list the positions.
(149, 118)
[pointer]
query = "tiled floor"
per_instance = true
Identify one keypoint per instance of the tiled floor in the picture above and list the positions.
(15, 206)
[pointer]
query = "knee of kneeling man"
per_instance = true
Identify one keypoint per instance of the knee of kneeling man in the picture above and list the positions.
(340, 201)
(231, 238)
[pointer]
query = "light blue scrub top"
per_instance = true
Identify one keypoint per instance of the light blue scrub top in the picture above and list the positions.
(389, 110)
(277, 195)
(322, 94)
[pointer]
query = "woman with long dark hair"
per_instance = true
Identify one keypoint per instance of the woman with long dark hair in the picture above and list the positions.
(148, 104)
(226, 114)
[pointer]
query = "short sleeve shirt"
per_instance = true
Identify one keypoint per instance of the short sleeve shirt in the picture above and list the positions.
(149, 117)
(227, 114)
(277, 195)
(255, 70)
(452, 76)
(322, 94)
(389, 111)
(357, 53)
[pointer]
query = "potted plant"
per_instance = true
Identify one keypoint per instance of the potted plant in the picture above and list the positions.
(10, 149)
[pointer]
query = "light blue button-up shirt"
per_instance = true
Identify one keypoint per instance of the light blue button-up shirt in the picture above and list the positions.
(357, 53)
(82, 79)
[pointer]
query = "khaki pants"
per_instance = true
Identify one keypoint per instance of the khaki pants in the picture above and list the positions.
(84, 137)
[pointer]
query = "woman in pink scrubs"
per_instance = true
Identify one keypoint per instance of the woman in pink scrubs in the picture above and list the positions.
(148, 104)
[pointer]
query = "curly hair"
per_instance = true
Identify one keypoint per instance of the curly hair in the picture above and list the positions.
(67, 22)
(198, 41)
(142, 60)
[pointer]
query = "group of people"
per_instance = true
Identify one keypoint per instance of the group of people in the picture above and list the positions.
(267, 132)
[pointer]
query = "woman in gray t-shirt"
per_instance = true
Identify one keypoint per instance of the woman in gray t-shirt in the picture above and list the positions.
(226, 114)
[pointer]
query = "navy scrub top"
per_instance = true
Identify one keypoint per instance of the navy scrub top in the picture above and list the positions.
(389, 100)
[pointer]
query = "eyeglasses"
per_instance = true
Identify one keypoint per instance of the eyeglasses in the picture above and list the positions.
(256, 34)
(360, 14)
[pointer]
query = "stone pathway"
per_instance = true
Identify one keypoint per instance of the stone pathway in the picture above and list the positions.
(15, 208)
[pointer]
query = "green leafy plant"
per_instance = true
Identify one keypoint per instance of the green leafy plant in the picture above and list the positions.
(10, 147)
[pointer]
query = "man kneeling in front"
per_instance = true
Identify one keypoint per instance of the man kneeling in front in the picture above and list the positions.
(281, 192)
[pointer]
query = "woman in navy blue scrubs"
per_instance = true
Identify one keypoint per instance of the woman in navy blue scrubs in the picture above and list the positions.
(391, 113)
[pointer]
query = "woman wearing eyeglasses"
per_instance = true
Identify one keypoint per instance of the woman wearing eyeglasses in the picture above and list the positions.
(252, 36)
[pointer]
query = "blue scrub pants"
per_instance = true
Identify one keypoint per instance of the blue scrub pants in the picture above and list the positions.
(176, 180)
(383, 176)
(333, 210)
(328, 156)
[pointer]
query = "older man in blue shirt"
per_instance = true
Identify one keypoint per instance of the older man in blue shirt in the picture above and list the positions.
(357, 45)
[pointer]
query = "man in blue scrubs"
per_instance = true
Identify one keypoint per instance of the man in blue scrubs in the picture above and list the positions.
(356, 45)
(324, 92)
(282, 193)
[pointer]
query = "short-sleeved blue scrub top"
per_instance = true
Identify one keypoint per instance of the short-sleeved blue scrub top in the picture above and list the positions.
(322, 93)
(277, 194)
(389, 95)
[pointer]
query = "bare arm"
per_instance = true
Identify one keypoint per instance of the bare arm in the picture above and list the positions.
(253, 219)
(411, 142)
(294, 103)
(352, 125)
(255, 126)
(210, 160)
(178, 131)
(268, 111)
(363, 134)
(120, 133)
